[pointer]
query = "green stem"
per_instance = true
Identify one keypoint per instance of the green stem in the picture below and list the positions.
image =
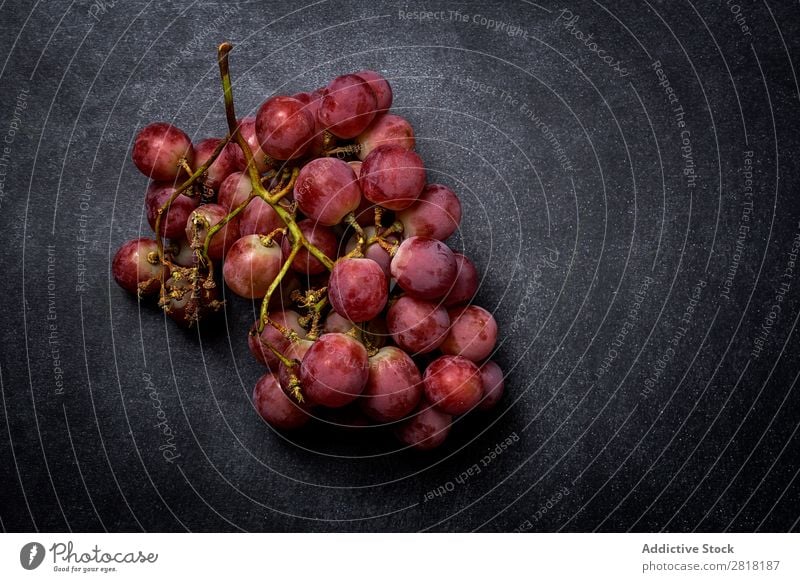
(262, 319)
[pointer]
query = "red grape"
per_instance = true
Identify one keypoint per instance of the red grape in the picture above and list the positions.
(394, 385)
(453, 384)
(234, 191)
(173, 222)
(294, 351)
(466, 283)
(392, 177)
(426, 429)
(436, 214)
(222, 167)
(335, 323)
(386, 129)
(312, 102)
(424, 267)
(158, 149)
(417, 326)
(180, 252)
(284, 127)
(259, 343)
(136, 267)
(358, 289)
(275, 406)
(321, 237)
(493, 384)
(373, 250)
(473, 333)
(247, 127)
(348, 106)
(259, 218)
(334, 370)
(326, 190)
(209, 215)
(380, 86)
(251, 266)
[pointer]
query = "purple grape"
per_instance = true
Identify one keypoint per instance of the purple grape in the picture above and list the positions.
(473, 333)
(453, 384)
(392, 177)
(158, 149)
(358, 289)
(417, 326)
(424, 267)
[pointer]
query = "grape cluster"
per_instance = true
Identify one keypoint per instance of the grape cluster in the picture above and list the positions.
(319, 207)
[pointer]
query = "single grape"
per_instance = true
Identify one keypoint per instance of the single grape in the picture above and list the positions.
(222, 167)
(380, 86)
(173, 222)
(159, 148)
(180, 252)
(392, 177)
(259, 218)
(493, 384)
(285, 127)
(251, 266)
(466, 283)
(247, 127)
(295, 351)
(436, 214)
(358, 288)
(275, 406)
(453, 384)
(426, 429)
(424, 267)
(386, 129)
(473, 333)
(136, 267)
(417, 326)
(202, 219)
(394, 385)
(187, 306)
(320, 236)
(334, 371)
(312, 102)
(373, 250)
(335, 323)
(327, 190)
(234, 191)
(259, 343)
(348, 106)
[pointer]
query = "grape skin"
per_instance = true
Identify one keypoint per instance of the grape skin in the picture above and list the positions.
(173, 222)
(259, 343)
(327, 190)
(275, 406)
(234, 191)
(334, 370)
(295, 351)
(348, 106)
(259, 218)
(424, 267)
(417, 326)
(358, 288)
(157, 150)
(134, 264)
(380, 86)
(473, 333)
(466, 283)
(386, 129)
(453, 384)
(212, 214)
(284, 127)
(373, 250)
(436, 214)
(222, 167)
(251, 266)
(392, 177)
(335, 323)
(394, 385)
(426, 429)
(320, 236)
(247, 128)
(493, 384)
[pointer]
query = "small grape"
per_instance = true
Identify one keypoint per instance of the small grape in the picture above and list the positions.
(173, 222)
(320, 236)
(348, 106)
(417, 326)
(424, 267)
(251, 266)
(466, 283)
(259, 343)
(380, 86)
(158, 149)
(493, 383)
(436, 214)
(247, 127)
(259, 218)
(392, 177)
(386, 129)
(234, 191)
(275, 406)
(285, 127)
(180, 252)
(394, 385)
(453, 384)
(473, 333)
(202, 219)
(136, 267)
(334, 371)
(222, 167)
(335, 323)
(426, 429)
(358, 289)
(327, 190)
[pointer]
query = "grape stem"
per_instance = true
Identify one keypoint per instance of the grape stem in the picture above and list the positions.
(263, 316)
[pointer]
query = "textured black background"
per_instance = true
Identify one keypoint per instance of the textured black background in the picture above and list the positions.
(563, 245)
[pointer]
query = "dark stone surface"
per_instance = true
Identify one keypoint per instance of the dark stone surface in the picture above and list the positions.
(571, 173)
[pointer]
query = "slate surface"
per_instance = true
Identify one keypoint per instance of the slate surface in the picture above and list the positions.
(630, 190)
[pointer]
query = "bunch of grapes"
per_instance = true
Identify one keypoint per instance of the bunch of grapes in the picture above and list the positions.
(319, 207)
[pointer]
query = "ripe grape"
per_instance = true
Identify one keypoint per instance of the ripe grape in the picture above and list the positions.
(380, 86)
(373, 250)
(394, 385)
(424, 267)
(294, 351)
(453, 384)
(358, 289)
(284, 127)
(321, 237)
(259, 218)
(251, 266)
(222, 167)
(173, 222)
(312, 102)
(334, 370)
(327, 190)
(335, 323)
(473, 333)
(259, 343)
(202, 219)
(417, 326)
(493, 384)
(275, 406)
(386, 129)
(426, 429)
(247, 127)
(348, 106)
(392, 177)
(158, 149)
(136, 267)
(466, 283)
(436, 214)
(234, 191)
